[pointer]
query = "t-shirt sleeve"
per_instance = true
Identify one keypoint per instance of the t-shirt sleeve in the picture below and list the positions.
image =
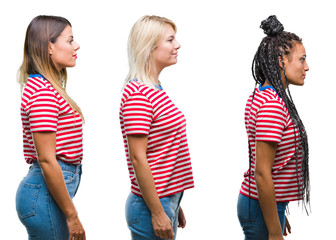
(43, 109)
(270, 122)
(137, 113)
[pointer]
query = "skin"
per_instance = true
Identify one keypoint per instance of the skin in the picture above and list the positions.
(165, 55)
(296, 67)
(166, 52)
(63, 51)
(63, 55)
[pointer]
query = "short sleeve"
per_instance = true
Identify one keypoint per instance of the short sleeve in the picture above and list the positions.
(137, 114)
(43, 109)
(270, 122)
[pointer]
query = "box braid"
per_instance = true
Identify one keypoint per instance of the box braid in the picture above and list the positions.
(265, 66)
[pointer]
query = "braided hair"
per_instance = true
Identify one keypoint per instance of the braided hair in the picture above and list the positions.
(265, 67)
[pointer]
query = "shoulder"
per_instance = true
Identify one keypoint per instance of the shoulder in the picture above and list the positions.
(268, 96)
(36, 83)
(136, 88)
(38, 89)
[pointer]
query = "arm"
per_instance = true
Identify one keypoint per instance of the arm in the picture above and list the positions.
(162, 225)
(265, 153)
(45, 144)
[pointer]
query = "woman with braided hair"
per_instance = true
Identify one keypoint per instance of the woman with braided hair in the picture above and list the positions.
(278, 145)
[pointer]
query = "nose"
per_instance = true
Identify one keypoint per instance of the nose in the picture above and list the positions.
(76, 46)
(306, 67)
(177, 45)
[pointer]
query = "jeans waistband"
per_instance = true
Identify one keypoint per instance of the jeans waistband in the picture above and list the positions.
(74, 168)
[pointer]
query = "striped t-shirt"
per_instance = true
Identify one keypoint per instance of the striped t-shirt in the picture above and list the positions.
(269, 120)
(43, 109)
(144, 110)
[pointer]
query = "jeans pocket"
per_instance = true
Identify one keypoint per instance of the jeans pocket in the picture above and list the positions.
(247, 209)
(26, 197)
(70, 182)
(69, 177)
(134, 207)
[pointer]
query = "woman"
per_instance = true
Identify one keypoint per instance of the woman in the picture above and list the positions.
(154, 133)
(278, 145)
(52, 133)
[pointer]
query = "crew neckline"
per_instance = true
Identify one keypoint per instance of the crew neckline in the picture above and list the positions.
(157, 86)
(35, 75)
(266, 87)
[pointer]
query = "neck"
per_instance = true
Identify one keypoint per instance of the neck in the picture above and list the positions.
(155, 75)
(266, 83)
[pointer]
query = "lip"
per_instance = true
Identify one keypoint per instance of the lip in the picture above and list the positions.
(75, 56)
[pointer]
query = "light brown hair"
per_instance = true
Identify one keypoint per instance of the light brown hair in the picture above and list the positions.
(41, 31)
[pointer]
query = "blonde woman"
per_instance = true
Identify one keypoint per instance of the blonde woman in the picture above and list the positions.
(154, 133)
(52, 133)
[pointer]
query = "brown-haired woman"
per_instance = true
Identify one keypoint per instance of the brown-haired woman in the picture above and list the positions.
(52, 133)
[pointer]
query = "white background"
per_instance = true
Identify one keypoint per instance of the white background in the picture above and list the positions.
(210, 84)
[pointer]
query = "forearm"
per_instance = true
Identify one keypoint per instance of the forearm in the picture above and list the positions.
(267, 201)
(54, 179)
(162, 225)
(147, 186)
(265, 154)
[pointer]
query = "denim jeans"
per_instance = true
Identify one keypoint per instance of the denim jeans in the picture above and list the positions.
(36, 208)
(253, 223)
(139, 218)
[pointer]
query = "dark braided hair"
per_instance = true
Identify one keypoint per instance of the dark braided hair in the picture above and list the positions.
(265, 67)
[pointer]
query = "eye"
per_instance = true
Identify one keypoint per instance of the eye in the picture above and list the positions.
(303, 59)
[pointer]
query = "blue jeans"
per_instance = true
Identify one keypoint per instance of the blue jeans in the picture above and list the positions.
(36, 208)
(139, 218)
(253, 223)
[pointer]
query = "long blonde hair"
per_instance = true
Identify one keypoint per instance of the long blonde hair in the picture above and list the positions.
(143, 39)
(36, 58)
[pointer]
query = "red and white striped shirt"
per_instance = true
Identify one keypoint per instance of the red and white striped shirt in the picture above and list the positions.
(144, 110)
(269, 120)
(43, 109)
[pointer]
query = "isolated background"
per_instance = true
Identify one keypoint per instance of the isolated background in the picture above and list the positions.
(210, 84)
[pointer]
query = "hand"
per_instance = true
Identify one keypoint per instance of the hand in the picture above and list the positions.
(287, 227)
(181, 219)
(162, 226)
(76, 230)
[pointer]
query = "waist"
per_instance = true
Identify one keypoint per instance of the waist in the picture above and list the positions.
(74, 168)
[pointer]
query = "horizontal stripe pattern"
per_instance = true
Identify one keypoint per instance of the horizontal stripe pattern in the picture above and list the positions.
(43, 109)
(144, 110)
(268, 120)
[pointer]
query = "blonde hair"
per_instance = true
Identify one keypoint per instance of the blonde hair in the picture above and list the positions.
(143, 39)
(36, 58)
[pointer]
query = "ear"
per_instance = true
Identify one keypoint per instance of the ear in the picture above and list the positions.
(51, 48)
(282, 61)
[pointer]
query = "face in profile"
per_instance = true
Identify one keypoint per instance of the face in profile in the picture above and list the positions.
(296, 65)
(63, 51)
(166, 52)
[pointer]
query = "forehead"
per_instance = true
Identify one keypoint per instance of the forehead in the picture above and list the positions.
(169, 31)
(298, 49)
(67, 32)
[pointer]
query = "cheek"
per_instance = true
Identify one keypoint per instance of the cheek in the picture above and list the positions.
(65, 51)
(165, 51)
